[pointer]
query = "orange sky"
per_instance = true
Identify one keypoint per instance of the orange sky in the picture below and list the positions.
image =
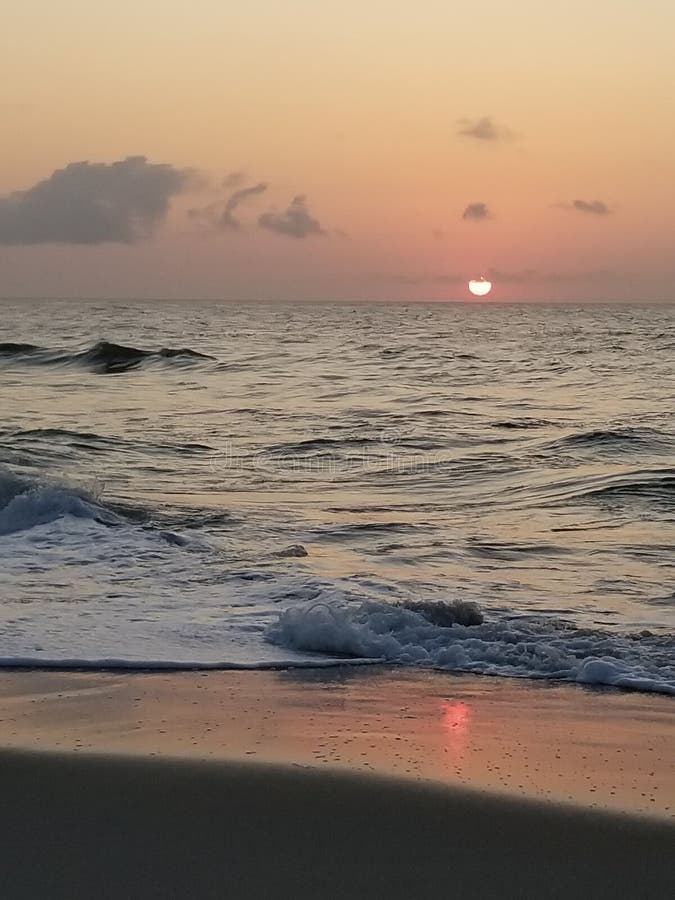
(359, 107)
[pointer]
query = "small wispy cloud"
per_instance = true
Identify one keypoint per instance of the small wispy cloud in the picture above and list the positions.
(228, 219)
(295, 221)
(593, 207)
(484, 129)
(476, 212)
(221, 214)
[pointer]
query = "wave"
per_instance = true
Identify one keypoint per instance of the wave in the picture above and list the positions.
(311, 444)
(92, 440)
(26, 503)
(628, 438)
(627, 487)
(266, 618)
(458, 638)
(9, 348)
(103, 357)
(647, 484)
(326, 626)
(524, 423)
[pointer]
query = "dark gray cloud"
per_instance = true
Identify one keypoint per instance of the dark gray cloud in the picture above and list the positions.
(483, 129)
(92, 203)
(296, 221)
(476, 212)
(594, 207)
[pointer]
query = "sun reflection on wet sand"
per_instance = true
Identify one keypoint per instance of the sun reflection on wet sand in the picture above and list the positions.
(606, 749)
(456, 721)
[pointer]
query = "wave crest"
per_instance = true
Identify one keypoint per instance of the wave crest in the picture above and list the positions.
(446, 613)
(26, 503)
(613, 440)
(103, 357)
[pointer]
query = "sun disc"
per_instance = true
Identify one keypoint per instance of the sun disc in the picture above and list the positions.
(480, 288)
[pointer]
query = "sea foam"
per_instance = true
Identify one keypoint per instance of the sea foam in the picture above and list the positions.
(144, 603)
(26, 503)
(525, 647)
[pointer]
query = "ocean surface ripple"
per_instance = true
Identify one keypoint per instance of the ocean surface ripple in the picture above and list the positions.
(474, 488)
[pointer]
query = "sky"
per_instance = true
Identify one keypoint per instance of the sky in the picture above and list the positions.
(338, 150)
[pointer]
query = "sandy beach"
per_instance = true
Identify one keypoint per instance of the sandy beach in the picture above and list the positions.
(337, 451)
(323, 784)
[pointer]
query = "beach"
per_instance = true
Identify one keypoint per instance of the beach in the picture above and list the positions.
(318, 604)
(321, 783)
(337, 451)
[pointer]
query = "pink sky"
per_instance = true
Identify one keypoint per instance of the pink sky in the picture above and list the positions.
(342, 150)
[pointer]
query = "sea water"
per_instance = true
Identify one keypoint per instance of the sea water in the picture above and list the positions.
(478, 488)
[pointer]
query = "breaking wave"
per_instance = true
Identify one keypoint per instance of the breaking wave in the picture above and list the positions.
(26, 503)
(290, 619)
(456, 637)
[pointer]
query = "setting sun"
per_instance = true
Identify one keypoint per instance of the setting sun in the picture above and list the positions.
(480, 288)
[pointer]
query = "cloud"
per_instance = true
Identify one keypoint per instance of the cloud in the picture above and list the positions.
(437, 234)
(476, 212)
(484, 129)
(234, 180)
(93, 203)
(227, 219)
(594, 207)
(221, 214)
(296, 221)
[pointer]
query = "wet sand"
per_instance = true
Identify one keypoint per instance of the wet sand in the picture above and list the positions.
(331, 784)
(600, 748)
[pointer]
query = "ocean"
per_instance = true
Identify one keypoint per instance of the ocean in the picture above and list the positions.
(479, 488)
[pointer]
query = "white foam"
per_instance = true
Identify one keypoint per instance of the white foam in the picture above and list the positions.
(78, 593)
(41, 505)
(521, 647)
(26, 503)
